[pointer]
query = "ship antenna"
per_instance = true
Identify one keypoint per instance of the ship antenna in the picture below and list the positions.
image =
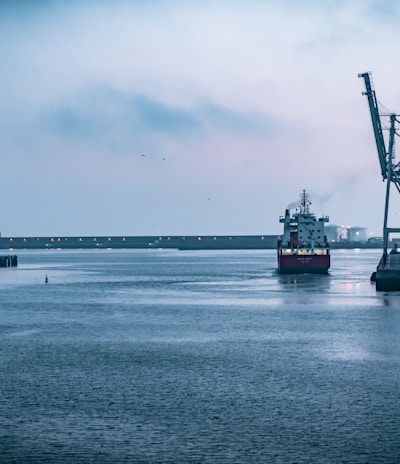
(304, 202)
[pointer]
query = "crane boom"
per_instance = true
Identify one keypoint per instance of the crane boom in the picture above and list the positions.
(376, 123)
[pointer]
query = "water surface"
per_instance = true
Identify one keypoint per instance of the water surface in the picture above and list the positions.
(149, 356)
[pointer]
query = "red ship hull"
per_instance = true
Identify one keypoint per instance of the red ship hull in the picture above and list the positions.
(300, 264)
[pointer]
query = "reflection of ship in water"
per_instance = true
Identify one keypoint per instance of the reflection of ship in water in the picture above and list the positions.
(303, 248)
(301, 289)
(315, 282)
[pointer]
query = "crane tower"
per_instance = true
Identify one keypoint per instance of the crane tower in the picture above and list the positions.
(389, 169)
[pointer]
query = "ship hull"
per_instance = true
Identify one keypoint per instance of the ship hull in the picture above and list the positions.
(301, 264)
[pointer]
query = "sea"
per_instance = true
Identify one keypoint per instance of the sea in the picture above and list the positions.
(167, 356)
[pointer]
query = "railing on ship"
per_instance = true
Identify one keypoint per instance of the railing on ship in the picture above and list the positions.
(303, 252)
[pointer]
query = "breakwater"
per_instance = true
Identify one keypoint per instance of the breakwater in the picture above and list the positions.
(181, 242)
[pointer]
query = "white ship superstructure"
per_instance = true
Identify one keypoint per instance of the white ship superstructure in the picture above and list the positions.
(303, 246)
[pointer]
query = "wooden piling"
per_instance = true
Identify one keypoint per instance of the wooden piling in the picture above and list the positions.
(8, 261)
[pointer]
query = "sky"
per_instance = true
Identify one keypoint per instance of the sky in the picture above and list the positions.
(172, 117)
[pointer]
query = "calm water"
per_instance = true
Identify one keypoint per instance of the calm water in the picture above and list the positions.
(183, 357)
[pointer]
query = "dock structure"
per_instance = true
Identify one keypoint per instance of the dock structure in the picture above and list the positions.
(387, 275)
(8, 261)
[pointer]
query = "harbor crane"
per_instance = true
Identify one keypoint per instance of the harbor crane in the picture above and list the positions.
(389, 169)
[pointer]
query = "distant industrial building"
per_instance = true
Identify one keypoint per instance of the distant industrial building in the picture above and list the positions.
(356, 234)
(333, 233)
(337, 234)
(376, 241)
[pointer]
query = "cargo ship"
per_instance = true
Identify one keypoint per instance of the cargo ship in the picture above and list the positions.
(303, 247)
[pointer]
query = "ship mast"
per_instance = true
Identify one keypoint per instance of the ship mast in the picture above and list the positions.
(304, 203)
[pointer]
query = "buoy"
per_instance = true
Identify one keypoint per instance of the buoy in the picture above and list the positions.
(46, 280)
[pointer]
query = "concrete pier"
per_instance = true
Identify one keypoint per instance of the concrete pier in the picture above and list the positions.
(180, 242)
(388, 273)
(8, 261)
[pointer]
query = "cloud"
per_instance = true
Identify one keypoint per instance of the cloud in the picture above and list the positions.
(69, 122)
(100, 113)
(161, 117)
